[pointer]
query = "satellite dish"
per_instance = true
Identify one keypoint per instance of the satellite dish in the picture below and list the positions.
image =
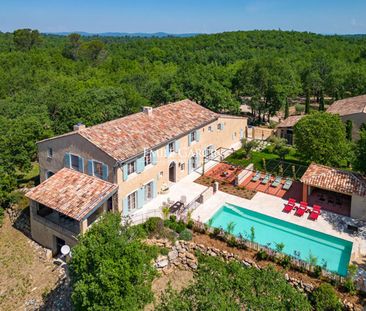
(65, 250)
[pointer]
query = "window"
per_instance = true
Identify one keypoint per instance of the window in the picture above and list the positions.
(149, 191)
(219, 126)
(171, 147)
(132, 201)
(182, 166)
(50, 152)
(131, 167)
(75, 162)
(147, 158)
(193, 136)
(98, 169)
(210, 129)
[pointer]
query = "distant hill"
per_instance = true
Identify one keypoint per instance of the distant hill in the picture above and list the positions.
(126, 34)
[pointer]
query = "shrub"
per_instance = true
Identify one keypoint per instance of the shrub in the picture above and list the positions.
(164, 251)
(190, 224)
(232, 242)
(317, 271)
(324, 298)
(349, 286)
(173, 218)
(185, 235)
(153, 225)
(285, 261)
(216, 232)
(262, 255)
(176, 226)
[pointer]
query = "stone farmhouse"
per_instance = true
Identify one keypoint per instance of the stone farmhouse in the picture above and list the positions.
(121, 165)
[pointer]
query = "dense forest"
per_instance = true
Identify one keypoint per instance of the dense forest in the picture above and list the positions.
(48, 83)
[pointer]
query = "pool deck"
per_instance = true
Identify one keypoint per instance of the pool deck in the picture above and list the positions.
(272, 206)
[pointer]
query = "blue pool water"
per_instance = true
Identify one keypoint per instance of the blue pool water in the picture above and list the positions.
(333, 251)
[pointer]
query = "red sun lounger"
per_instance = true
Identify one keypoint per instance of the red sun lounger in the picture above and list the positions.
(291, 201)
(315, 212)
(300, 210)
(288, 208)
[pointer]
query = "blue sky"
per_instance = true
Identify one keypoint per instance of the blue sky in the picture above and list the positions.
(184, 16)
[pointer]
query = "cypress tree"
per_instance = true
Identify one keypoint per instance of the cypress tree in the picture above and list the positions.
(349, 127)
(307, 103)
(321, 103)
(287, 109)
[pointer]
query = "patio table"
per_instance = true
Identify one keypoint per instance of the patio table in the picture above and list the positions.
(176, 207)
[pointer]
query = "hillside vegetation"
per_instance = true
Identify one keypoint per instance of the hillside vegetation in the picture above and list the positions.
(49, 83)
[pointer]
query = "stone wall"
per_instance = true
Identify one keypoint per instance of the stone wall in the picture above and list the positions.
(181, 256)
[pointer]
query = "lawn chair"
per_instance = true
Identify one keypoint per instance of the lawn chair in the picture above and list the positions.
(315, 212)
(265, 180)
(288, 208)
(276, 182)
(302, 208)
(287, 185)
(291, 201)
(257, 176)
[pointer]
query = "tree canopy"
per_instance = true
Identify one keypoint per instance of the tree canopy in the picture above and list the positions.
(111, 268)
(230, 286)
(321, 137)
(360, 156)
(48, 83)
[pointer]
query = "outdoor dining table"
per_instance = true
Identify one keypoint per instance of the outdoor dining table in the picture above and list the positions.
(175, 207)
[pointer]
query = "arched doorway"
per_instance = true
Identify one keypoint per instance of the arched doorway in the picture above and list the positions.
(172, 172)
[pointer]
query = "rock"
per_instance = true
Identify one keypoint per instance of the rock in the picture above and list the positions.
(190, 256)
(193, 265)
(286, 276)
(172, 255)
(162, 263)
(48, 254)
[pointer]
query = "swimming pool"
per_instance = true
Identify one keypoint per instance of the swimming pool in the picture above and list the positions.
(304, 242)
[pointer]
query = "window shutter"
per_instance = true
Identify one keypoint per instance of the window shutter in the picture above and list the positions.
(198, 160)
(167, 150)
(154, 189)
(222, 125)
(67, 160)
(189, 139)
(124, 172)
(241, 134)
(140, 197)
(81, 164)
(90, 167)
(105, 171)
(176, 145)
(125, 207)
(232, 136)
(154, 159)
(189, 166)
(198, 135)
(140, 165)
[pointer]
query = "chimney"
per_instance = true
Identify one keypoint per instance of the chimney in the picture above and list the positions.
(79, 126)
(148, 111)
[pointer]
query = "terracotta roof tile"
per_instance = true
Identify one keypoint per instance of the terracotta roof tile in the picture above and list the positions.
(290, 121)
(349, 105)
(72, 193)
(128, 136)
(334, 180)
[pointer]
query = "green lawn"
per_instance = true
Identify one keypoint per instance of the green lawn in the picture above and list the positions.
(272, 162)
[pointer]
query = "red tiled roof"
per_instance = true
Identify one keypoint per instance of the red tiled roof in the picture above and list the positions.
(72, 193)
(335, 180)
(349, 105)
(290, 121)
(128, 136)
